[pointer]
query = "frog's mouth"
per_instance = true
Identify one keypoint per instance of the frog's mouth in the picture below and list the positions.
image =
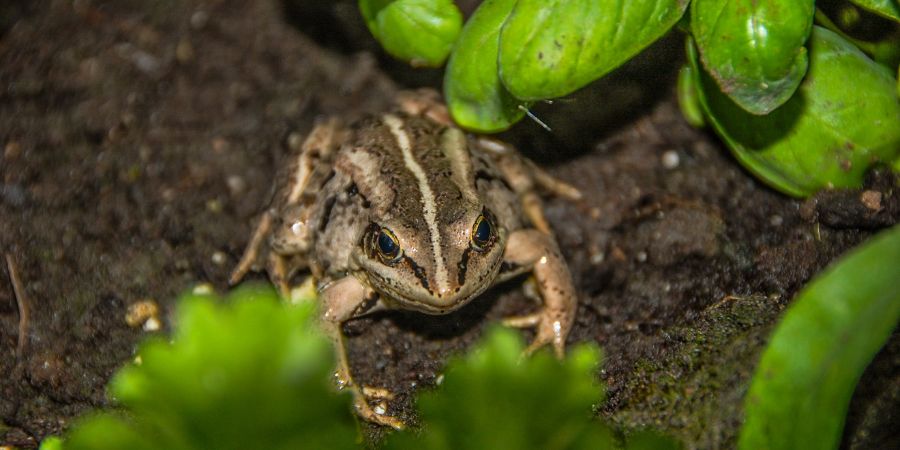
(431, 305)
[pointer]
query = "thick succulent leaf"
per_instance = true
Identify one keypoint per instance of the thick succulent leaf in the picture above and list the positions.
(754, 48)
(885, 8)
(550, 48)
(844, 117)
(472, 87)
(421, 32)
(799, 395)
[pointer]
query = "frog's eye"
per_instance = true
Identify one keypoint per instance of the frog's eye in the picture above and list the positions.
(482, 233)
(387, 245)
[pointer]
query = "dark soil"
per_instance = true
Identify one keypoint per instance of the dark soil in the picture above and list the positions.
(139, 140)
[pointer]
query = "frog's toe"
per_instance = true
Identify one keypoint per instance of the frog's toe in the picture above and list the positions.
(526, 321)
(549, 332)
(377, 414)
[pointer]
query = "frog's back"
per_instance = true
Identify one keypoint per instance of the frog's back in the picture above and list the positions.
(403, 169)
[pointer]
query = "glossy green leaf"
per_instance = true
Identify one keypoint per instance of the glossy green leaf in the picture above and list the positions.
(688, 101)
(421, 32)
(550, 48)
(754, 48)
(476, 97)
(254, 373)
(801, 389)
(844, 117)
(886, 8)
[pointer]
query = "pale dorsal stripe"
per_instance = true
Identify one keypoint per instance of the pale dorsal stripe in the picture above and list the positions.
(454, 144)
(428, 203)
(321, 136)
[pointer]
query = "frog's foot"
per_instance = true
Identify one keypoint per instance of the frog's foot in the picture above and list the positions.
(552, 184)
(426, 103)
(551, 330)
(361, 398)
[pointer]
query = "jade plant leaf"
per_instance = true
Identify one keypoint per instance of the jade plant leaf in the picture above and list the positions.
(421, 32)
(844, 117)
(886, 8)
(551, 48)
(250, 373)
(754, 48)
(475, 96)
(800, 392)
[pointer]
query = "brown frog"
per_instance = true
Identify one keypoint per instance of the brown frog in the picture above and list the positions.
(406, 211)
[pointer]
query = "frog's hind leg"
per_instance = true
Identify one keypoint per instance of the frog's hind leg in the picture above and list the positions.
(523, 175)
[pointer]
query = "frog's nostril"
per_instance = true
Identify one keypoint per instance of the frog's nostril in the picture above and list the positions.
(445, 291)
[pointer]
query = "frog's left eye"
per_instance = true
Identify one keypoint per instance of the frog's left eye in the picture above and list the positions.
(482, 233)
(387, 245)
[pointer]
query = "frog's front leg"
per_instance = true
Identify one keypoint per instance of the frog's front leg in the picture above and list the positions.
(343, 300)
(536, 251)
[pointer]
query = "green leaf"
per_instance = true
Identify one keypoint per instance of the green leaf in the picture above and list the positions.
(253, 373)
(754, 48)
(494, 398)
(476, 98)
(688, 101)
(421, 32)
(844, 117)
(799, 395)
(886, 8)
(551, 48)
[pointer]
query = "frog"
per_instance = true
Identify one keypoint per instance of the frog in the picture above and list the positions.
(405, 210)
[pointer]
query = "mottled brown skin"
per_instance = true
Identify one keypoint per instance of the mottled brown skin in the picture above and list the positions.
(410, 183)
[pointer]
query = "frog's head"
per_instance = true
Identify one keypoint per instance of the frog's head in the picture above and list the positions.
(434, 265)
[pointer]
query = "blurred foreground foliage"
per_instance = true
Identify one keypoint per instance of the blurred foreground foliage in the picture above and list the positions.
(253, 372)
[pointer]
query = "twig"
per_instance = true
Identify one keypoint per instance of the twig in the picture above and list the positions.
(22, 302)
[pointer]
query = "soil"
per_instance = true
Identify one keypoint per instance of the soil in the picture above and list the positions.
(139, 140)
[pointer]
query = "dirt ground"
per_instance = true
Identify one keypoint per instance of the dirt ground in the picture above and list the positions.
(139, 140)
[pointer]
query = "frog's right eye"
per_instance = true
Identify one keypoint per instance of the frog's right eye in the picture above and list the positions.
(387, 245)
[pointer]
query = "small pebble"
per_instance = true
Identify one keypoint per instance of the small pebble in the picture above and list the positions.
(641, 256)
(203, 289)
(670, 159)
(236, 185)
(184, 51)
(199, 19)
(872, 200)
(776, 220)
(12, 150)
(218, 258)
(141, 312)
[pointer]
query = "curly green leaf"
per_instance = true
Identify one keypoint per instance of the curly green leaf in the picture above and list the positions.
(754, 48)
